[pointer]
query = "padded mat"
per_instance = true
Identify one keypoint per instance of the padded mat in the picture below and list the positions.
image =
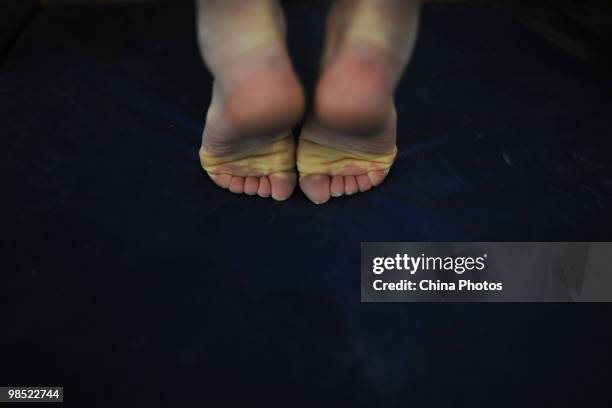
(128, 277)
(14, 16)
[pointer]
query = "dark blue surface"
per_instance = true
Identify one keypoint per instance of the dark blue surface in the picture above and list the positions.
(14, 16)
(128, 276)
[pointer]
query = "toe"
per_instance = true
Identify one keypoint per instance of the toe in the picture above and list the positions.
(282, 185)
(316, 187)
(264, 189)
(377, 176)
(251, 185)
(237, 185)
(337, 186)
(350, 185)
(363, 182)
(222, 180)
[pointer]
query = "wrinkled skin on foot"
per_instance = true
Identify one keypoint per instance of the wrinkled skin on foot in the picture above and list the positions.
(268, 171)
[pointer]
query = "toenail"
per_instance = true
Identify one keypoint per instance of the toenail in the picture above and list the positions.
(337, 195)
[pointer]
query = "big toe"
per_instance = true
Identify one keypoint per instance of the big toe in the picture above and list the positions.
(377, 176)
(316, 187)
(282, 184)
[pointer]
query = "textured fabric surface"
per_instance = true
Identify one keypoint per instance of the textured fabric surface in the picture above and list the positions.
(128, 276)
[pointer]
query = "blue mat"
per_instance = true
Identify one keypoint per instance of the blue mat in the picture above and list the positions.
(129, 278)
(14, 16)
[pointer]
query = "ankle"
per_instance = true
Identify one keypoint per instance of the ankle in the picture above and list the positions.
(229, 29)
(253, 104)
(355, 92)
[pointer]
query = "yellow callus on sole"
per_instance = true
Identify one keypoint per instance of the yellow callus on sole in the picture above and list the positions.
(314, 158)
(278, 156)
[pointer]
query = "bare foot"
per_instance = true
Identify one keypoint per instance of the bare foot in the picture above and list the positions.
(348, 143)
(247, 146)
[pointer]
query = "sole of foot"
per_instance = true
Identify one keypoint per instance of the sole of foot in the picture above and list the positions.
(348, 143)
(247, 146)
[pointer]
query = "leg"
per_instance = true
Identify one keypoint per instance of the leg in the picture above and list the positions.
(348, 143)
(247, 144)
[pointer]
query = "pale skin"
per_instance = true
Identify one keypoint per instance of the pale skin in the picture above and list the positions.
(347, 144)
